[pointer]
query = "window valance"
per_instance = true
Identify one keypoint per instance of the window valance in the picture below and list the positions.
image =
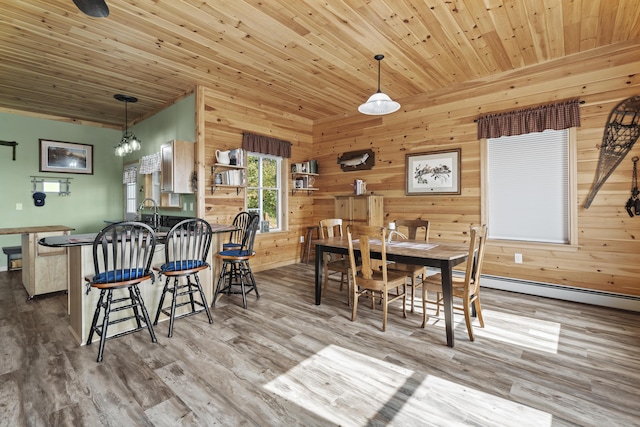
(130, 174)
(557, 116)
(266, 145)
(150, 164)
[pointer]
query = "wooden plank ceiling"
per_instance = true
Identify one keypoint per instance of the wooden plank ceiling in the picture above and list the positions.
(312, 58)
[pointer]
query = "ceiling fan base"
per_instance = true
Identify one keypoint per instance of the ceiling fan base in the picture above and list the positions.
(93, 8)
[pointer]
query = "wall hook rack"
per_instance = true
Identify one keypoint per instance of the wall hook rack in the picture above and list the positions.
(51, 184)
(10, 144)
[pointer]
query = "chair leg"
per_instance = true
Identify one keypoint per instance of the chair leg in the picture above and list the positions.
(174, 297)
(325, 272)
(145, 314)
(221, 281)
(467, 317)
(243, 291)
(479, 310)
(190, 290)
(96, 314)
(355, 296)
(204, 299)
(424, 306)
(161, 304)
(385, 307)
(404, 301)
(249, 273)
(134, 306)
(105, 323)
(413, 291)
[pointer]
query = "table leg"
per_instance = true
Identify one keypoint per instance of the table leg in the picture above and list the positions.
(319, 255)
(447, 294)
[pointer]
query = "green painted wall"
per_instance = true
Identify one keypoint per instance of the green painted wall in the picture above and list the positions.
(94, 198)
(174, 122)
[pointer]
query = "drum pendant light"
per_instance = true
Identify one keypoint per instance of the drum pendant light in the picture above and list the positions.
(129, 143)
(379, 103)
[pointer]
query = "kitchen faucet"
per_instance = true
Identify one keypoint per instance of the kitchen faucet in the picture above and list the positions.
(156, 217)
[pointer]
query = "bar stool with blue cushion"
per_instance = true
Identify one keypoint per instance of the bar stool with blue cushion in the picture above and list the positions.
(241, 221)
(122, 254)
(236, 271)
(185, 251)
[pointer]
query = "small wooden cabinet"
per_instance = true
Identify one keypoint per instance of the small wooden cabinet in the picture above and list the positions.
(177, 167)
(44, 269)
(360, 210)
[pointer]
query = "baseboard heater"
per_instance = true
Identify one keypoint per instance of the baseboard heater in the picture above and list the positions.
(567, 293)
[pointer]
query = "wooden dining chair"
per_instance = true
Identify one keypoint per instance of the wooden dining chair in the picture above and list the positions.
(368, 279)
(413, 229)
(467, 288)
(335, 263)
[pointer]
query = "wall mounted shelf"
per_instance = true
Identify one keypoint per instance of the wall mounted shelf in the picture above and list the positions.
(51, 184)
(231, 176)
(303, 181)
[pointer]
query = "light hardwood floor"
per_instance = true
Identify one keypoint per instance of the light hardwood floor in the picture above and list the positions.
(285, 361)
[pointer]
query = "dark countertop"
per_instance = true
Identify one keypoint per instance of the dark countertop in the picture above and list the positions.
(88, 238)
(34, 229)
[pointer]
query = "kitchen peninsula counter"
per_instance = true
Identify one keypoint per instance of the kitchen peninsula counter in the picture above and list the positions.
(44, 270)
(82, 305)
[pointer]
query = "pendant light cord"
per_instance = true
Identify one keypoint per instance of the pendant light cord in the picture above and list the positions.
(379, 91)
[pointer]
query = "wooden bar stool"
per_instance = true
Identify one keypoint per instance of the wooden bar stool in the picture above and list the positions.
(185, 252)
(122, 254)
(306, 250)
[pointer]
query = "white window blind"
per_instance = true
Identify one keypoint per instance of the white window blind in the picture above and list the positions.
(528, 187)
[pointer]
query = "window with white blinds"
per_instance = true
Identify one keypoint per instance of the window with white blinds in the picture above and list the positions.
(527, 187)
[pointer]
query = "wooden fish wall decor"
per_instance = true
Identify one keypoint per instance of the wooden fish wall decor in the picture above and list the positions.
(357, 160)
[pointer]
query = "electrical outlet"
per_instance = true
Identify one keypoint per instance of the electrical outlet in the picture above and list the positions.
(191, 206)
(517, 258)
(301, 239)
(18, 206)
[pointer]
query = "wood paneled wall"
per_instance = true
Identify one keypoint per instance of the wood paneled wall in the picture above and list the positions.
(609, 248)
(221, 122)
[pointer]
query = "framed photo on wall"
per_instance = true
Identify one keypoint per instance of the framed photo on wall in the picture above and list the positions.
(435, 172)
(65, 157)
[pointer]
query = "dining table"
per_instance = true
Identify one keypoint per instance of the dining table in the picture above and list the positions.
(442, 255)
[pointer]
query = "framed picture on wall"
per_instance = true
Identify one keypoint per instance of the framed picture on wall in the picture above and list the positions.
(435, 172)
(65, 157)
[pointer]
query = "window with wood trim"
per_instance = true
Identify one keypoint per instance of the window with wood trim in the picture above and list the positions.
(264, 190)
(529, 187)
(130, 182)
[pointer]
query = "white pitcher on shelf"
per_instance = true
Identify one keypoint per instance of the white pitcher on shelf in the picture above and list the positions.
(222, 157)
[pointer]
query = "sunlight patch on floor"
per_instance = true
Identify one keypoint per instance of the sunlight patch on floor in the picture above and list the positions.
(523, 331)
(350, 389)
(518, 330)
